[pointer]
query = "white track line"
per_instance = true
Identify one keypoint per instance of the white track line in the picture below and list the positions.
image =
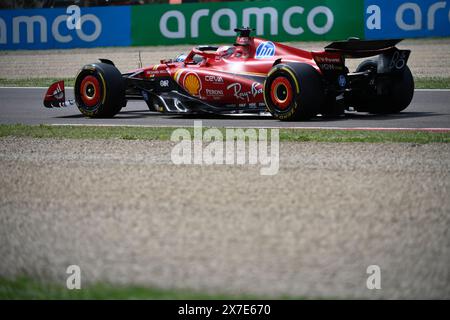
(252, 127)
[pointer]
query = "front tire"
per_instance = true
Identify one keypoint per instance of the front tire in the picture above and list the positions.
(100, 90)
(293, 92)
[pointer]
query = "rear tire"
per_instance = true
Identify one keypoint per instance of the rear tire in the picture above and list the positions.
(100, 90)
(397, 95)
(293, 92)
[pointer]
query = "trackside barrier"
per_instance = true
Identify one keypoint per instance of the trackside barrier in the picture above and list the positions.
(49, 28)
(201, 23)
(406, 19)
(290, 20)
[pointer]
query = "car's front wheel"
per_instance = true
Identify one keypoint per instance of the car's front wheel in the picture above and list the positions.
(99, 90)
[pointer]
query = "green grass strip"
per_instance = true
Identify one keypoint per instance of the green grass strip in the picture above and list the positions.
(164, 133)
(24, 288)
(432, 83)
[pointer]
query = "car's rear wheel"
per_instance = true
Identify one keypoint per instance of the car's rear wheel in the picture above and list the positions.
(396, 94)
(293, 92)
(100, 90)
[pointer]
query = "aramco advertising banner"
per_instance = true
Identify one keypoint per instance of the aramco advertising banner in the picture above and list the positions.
(277, 20)
(56, 28)
(406, 19)
(203, 23)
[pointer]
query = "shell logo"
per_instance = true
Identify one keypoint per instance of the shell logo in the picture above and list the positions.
(192, 84)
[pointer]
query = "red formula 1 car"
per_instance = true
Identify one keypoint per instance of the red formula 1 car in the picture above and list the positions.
(252, 76)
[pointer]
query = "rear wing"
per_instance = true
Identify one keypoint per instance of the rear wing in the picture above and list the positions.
(354, 48)
(390, 58)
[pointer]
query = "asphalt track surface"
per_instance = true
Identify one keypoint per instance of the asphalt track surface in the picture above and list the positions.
(429, 109)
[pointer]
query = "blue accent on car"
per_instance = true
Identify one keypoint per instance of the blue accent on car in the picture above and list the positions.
(342, 81)
(265, 50)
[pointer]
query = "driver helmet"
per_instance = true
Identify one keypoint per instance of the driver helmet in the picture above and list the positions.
(180, 58)
(225, 51)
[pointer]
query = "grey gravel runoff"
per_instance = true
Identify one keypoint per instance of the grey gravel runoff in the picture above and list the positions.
(126, 215)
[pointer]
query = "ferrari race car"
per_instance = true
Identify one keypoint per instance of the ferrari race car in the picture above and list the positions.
(251, 76)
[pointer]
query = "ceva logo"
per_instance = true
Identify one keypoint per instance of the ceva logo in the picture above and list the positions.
(35, 29)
